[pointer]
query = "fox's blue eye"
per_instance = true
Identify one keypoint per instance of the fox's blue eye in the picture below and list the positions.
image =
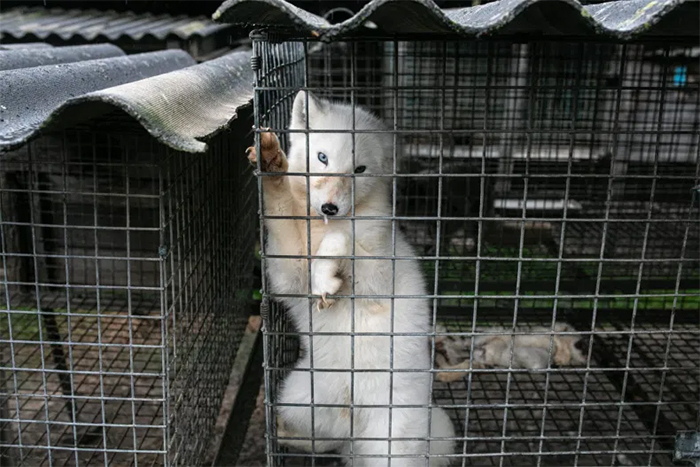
(323, 158)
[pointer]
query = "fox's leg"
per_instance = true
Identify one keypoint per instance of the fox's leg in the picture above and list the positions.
(326, 272)
(451, 376)
(283, 234)
(276, 190)
(294, 411)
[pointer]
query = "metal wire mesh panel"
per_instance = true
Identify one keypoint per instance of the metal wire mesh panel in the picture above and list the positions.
(125, 273)
(549, 192)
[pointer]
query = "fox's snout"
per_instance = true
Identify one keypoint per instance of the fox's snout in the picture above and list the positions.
(331, 196)
(329, 209)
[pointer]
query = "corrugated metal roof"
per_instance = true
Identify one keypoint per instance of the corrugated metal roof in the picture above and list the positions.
(622, 19)
(176, 101)
(25, 58)
(92, 25)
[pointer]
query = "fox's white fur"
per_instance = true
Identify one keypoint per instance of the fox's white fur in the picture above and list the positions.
(286, 195)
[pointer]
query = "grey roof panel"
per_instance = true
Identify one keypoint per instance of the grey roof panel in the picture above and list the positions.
(25, 58)
(183, 107)
(28, 96)
(177, 103)
(42, 23)
(25, 45)
(621, 19)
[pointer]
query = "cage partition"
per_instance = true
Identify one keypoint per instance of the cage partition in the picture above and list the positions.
(127, 257)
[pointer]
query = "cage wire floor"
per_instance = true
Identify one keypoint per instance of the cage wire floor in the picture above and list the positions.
(117, 381)
(573, 416)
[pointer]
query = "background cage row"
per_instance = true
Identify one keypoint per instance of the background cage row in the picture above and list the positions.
(619, 158)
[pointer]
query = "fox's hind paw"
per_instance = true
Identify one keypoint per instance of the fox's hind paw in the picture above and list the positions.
(273, 158)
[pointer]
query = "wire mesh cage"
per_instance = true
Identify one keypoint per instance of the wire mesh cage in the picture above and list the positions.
(550, 193)
(125, 283)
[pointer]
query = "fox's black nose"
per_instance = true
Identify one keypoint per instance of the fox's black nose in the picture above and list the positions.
(329, 209)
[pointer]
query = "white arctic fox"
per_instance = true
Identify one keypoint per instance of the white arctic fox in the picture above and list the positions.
(286, 195)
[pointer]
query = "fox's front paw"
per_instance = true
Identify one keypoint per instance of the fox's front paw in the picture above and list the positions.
(324, 281)
(273, 158)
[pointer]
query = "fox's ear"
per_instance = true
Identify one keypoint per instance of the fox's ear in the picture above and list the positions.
(316, 107)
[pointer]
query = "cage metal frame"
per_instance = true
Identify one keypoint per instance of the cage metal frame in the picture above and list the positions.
(284, 64)
(130, 299)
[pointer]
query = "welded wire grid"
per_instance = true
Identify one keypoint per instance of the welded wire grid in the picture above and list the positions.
(125, 273)
(540, 184)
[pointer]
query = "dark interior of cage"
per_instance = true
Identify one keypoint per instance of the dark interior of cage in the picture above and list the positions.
(105, 245)
(540, 183)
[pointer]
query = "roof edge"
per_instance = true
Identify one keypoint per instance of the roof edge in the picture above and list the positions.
(622, 20)
(180, 108)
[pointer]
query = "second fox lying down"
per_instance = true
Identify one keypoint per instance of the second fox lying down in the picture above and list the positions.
(332, 153)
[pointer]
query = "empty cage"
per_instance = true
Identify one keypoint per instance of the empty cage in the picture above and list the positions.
(548, 185)
(125, 279)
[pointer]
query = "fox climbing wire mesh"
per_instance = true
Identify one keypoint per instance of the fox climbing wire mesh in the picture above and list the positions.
(547, 190)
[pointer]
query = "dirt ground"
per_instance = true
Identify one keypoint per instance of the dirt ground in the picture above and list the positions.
(253, 451)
